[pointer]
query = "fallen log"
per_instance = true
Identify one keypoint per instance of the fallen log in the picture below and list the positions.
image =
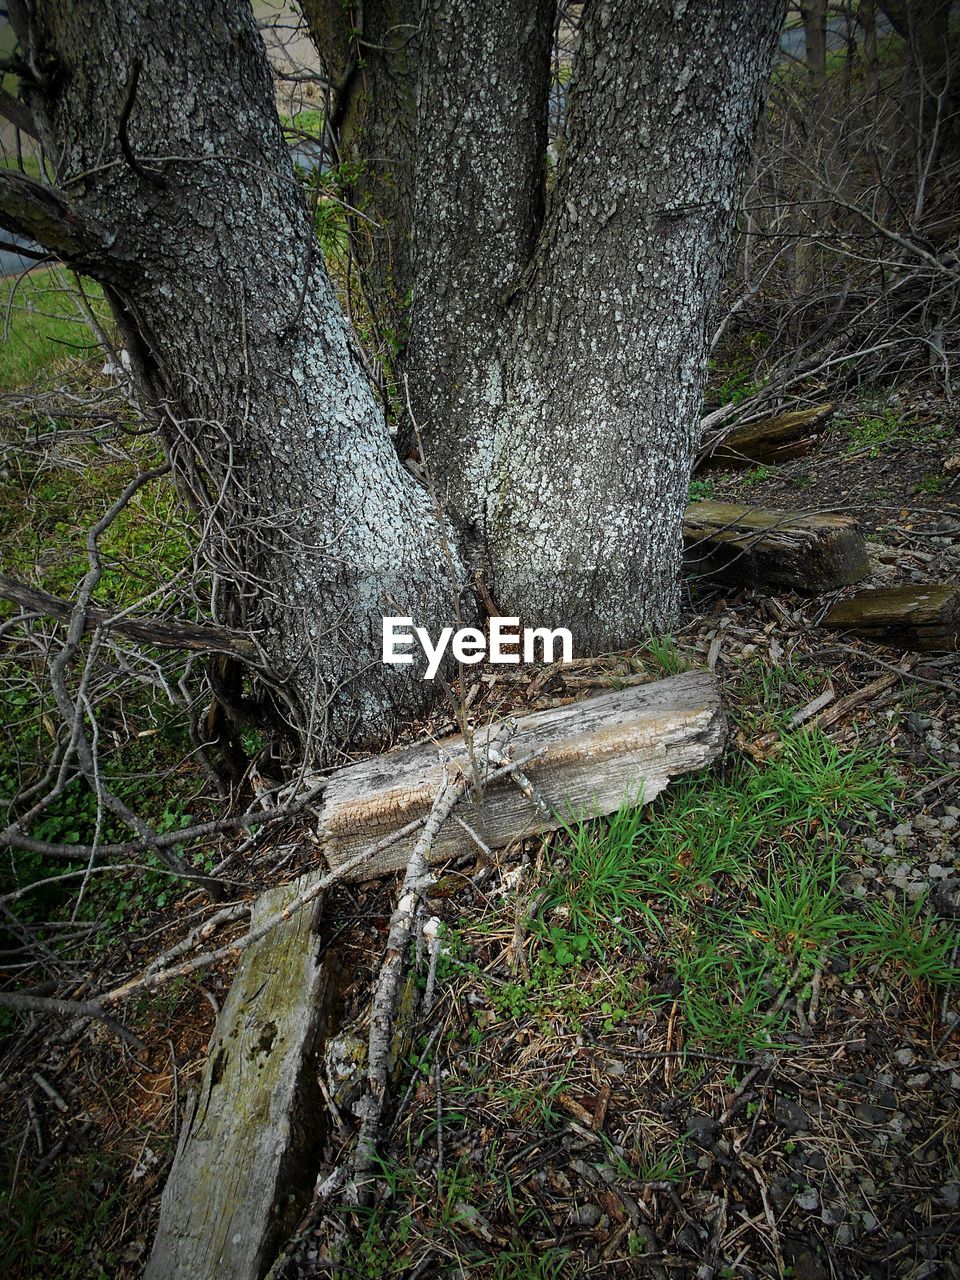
(586, 759)
(758, 547)
(245, 1161)
(777, 439)
(924, 618)
(246, 1158)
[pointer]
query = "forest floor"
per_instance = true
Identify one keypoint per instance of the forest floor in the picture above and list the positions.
(712, 1037)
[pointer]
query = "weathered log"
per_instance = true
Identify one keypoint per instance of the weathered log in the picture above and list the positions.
(788, 435)
(925, 618)
(249, 1139)
(589, 758)
(759, 547)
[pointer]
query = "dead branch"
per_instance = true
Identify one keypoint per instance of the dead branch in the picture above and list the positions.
(176, 633)
(70, 1009)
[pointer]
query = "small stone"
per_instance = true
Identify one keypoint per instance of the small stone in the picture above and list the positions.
(916, 890)
(951, 810)
(919, 1081)
(903, 829)
(808, 1200)
(948, 823)
(937, 872)
(905, 1057)
(869, 1221)
(845, 1234)
(869, 1114)
(807, 1266)
(789, 1115)
(587, 1215)
(703, 1129)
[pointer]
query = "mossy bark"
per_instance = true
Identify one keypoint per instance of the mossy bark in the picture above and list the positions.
(246, 1158)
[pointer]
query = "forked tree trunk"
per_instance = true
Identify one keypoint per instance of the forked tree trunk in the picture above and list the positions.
(557, 350)
(559, 406)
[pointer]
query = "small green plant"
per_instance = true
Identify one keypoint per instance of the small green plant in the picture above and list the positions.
(602, 884)
(909, 938)
(701, 491)
(665, 653)
(757, 476)
(932, 484)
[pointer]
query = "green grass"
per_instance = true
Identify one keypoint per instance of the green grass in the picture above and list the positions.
(43, 327)
(706, 911)
(879, 425)
(665, 653)
(57, 1225)
(734, 884)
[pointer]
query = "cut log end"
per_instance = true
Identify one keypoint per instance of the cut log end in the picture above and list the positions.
(924, 618)
(768, 548)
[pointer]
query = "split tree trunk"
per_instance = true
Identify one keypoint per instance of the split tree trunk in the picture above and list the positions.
(560, 409)
(557, 350)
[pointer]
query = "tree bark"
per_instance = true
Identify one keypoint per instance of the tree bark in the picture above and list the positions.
(481, 170)
(559, 407)
(369, 53)
(557, 351)
(191, 216)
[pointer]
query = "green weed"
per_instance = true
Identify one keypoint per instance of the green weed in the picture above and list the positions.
(701, 491)
(43, 326)
(908, 938)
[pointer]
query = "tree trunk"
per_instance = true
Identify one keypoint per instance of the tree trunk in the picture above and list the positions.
(932, 82)
(867, 17)
(559, 405)
(191, 216)
(557, 351)
(369, 53)
(813, 13)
